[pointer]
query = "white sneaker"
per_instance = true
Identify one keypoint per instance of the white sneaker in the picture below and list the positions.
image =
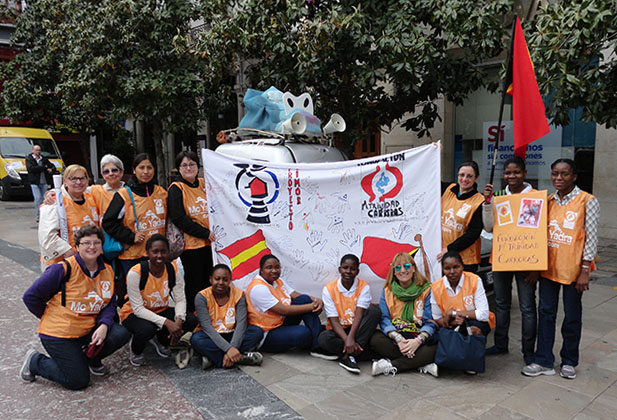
(383, 366)
(568, 372)
(431, 369)
(161, 349)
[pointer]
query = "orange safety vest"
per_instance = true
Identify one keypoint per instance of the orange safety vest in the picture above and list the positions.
(151, 212)
(223, 318)
(463, 301)
(85, 299)
(345, 306)
(155, 294)
(269, 320)
(455, 217)
(196, 208)
(566, 238)
(396, 306)
(102, 198)
(77, 216)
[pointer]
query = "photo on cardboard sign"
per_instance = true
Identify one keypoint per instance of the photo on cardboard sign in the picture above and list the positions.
(504, 213)
(529, 214)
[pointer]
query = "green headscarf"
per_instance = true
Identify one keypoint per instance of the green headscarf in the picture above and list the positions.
(408, 295)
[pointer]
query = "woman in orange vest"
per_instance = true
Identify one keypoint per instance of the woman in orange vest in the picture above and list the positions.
(147, 314)
(405, 340)
(187, 205)
(461, 216)
(514, 173)
(459, 296)
(76, 304)
(351, 318)
(224, 337)
(112, 170)
(278, 309)
(151, 210)
(573, 216)
(80, 211)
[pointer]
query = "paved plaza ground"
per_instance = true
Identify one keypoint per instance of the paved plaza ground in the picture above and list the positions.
(295, 385)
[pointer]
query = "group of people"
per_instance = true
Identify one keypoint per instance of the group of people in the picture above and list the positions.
(571, 211)
(88, 309)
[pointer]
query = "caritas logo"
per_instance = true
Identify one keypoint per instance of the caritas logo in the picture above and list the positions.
(382, 186)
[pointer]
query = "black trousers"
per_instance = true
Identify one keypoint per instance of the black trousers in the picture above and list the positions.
(197, 266)
(333, 344)
(144, 330)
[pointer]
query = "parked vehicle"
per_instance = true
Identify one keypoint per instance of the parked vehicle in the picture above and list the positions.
(15, 144)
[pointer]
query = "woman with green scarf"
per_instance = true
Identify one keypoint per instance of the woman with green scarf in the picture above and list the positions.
(407, 327)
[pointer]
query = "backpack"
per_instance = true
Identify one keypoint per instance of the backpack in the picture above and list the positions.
(145, 271)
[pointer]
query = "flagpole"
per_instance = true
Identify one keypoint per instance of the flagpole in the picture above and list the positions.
(503, 100)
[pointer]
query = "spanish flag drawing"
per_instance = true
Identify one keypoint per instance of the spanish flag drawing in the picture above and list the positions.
(245, 254)
(377, 253)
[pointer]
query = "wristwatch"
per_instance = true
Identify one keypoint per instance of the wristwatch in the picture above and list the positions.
(398, 338)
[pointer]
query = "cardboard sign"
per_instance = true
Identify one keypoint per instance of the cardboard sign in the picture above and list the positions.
(519, 232)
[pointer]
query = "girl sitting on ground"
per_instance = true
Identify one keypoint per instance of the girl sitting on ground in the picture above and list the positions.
(405, 340)
(147, 314)
(351, 318)
(224, 338)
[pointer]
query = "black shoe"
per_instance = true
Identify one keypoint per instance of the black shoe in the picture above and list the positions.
(495, 350)
(349, 364)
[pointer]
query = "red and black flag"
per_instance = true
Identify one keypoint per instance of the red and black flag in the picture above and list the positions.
(528, 112)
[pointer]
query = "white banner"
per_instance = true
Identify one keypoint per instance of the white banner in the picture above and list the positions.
(310, 215)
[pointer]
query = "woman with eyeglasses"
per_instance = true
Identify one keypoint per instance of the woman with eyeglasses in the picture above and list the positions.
(112, 170)
(188, 209)
(461, 216)
(76, 305)
(80, 210)
(136, 213)
(405, 340)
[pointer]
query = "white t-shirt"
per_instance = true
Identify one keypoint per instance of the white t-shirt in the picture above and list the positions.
(261, 297)
(364, 300)
(480, 301)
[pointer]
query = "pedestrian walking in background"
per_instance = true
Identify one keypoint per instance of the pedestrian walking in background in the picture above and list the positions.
(40, 170)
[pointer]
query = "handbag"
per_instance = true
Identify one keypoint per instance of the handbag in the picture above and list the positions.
(113, 247)
(176, 239)
(456, 350)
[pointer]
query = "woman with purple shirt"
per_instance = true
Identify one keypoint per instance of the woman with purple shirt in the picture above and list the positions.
(76, 304)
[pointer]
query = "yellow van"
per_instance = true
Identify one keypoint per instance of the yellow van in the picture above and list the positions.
(15, 144)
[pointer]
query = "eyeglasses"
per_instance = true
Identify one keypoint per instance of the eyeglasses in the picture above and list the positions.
(76, 179)
(111, 171)
(188, 165)
(405, 266)
(91, 243)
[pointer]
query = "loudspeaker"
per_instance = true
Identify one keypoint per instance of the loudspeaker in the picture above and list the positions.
(336, 124)
(295, 125)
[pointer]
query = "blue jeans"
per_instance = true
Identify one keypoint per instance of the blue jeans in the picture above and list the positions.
(570, 327)
(38, 191)
(291, 335)
(67, 363)
(206, 347)
(527, 302)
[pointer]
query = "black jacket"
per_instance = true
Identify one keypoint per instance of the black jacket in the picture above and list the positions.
(175, 209)
(112, 224)
(34, 170)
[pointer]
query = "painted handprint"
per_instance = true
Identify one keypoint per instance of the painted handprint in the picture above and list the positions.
(336, 224)
(316, 240)
(350, 239)
(219, 233)
(298, 256)
(402, 232)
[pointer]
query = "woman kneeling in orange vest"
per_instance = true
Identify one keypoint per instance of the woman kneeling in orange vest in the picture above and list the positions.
(459, 297)
(224, 338)
(76, 304)
(277, 309)
(351, 318)
(147, 314)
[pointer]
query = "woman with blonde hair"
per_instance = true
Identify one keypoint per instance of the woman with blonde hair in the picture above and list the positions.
(80, 211)
(405, 340)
